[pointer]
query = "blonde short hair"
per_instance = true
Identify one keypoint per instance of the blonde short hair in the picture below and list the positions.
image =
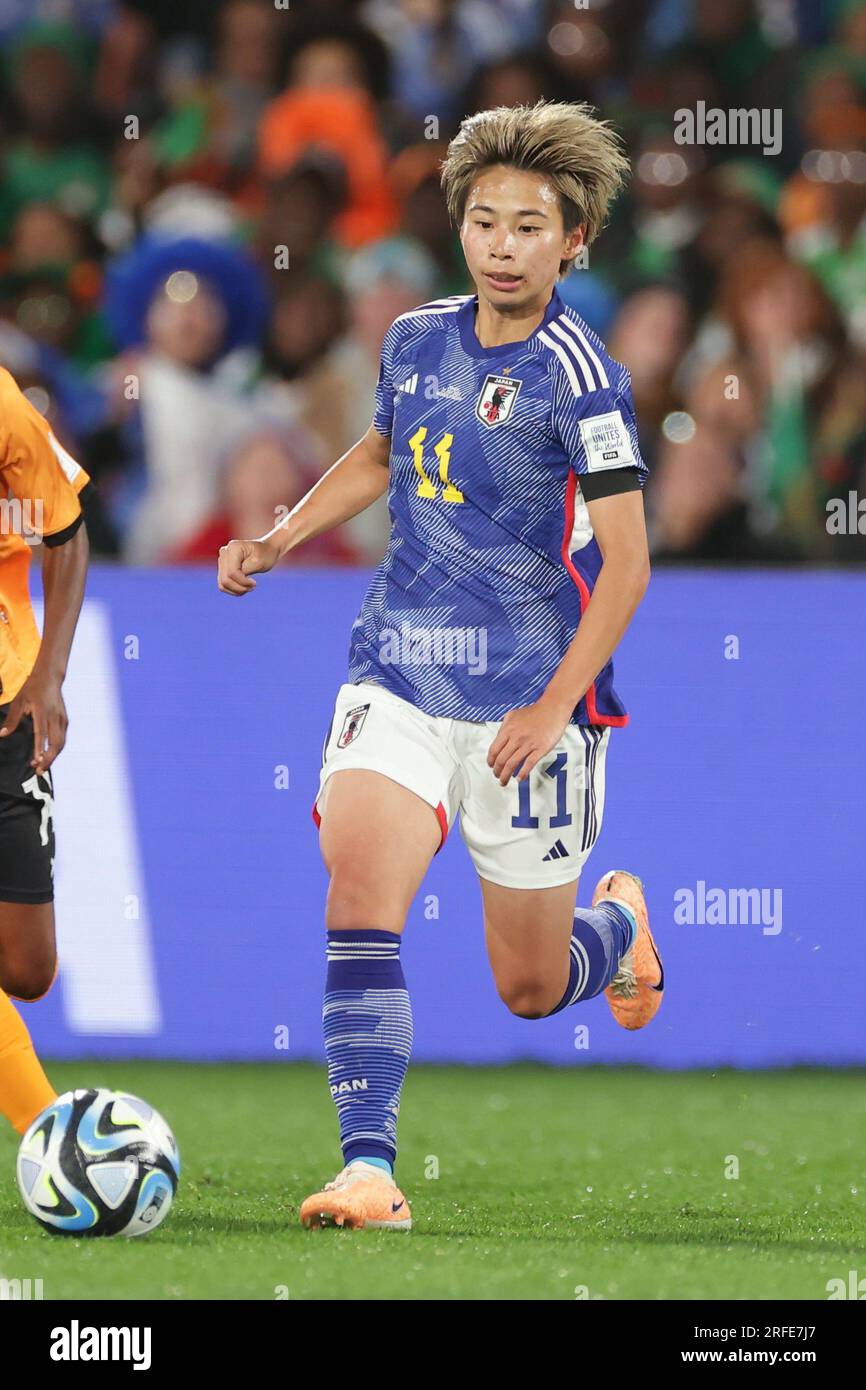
(579, 154)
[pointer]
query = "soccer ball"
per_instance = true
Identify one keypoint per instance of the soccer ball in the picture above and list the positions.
(98, 1163)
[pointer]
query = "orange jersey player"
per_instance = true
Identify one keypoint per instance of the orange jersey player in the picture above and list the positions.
(39, 502)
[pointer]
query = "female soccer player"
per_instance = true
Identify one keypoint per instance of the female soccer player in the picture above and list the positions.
(480, 675)
(44, 485)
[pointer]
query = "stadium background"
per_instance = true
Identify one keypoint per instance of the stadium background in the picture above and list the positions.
(209, 215)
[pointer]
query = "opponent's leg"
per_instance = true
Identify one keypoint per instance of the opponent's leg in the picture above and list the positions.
(28, 954)
(377, 839)
(28, 965)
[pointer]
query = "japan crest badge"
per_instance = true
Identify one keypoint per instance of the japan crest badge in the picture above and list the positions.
(352, 725)
(496, 402)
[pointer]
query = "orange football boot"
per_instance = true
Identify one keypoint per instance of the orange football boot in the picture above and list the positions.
(635, 992)
(361, 1195)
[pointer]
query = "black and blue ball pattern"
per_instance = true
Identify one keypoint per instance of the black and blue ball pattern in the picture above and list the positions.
(98, 1163)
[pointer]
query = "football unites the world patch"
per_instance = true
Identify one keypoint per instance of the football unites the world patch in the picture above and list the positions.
(352, 725)
(496, 401)
(606, 441)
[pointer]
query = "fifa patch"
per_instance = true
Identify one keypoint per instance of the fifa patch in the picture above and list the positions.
(606, 441)
(496, 401)
(352, 726)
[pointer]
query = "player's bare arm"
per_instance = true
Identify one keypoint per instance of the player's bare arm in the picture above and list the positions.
(353, 483)
(526, 734)
(64, 571)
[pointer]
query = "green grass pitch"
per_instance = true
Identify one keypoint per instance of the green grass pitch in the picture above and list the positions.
(552, 1184)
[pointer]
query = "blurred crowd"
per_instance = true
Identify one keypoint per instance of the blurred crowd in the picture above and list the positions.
(210, 212)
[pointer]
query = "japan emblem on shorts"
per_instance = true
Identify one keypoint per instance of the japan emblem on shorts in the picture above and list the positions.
(497, 398)
(352, 725)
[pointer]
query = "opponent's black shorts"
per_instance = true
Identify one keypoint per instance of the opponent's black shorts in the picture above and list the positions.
(26, 820)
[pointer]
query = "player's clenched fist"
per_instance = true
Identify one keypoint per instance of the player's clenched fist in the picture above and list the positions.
(240, 559)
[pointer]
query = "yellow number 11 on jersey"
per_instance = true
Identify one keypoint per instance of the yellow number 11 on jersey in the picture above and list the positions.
(426, 486)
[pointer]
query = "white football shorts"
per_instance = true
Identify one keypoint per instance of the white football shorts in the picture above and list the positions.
(532, 834)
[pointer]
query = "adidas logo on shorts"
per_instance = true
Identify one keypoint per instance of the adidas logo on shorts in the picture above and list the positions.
(557, 851)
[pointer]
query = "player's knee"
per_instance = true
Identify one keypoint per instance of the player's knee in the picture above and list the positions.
(351, 906)
(29, 980)
(526, 998)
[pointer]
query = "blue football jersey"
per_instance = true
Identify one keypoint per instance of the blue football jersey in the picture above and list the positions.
(492, 558)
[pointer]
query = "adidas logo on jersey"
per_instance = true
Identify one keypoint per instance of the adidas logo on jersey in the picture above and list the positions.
(450, 393)
(556, 851)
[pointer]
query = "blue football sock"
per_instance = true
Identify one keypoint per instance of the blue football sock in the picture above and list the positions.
(600, 938)
(632, 922)
(367, 1020)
